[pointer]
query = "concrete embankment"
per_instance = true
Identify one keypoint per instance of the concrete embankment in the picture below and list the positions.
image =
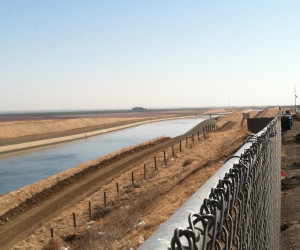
(33, 144)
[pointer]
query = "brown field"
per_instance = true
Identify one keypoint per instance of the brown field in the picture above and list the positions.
(131, 217)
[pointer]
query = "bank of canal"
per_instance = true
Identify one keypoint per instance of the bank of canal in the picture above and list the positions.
(28, 166)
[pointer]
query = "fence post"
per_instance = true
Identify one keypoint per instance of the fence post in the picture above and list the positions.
(180, 148)
(155, 166)
(104, 198)
(90, 210)
(193, 138)
(51, 232)
(198, 135)
(132, 178)
(74, 220)
(186, 141)
(173, 153)
(118, 192)
(165, 159)
(145, 172)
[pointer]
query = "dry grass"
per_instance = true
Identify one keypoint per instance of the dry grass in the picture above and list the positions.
(39, 127)
(126, 216)
(54, 244)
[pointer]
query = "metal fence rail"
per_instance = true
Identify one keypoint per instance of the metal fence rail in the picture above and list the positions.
(238, 208)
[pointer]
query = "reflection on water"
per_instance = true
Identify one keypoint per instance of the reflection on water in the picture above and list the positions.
(28, 166)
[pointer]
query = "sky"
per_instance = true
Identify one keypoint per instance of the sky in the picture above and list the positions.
(99, 54)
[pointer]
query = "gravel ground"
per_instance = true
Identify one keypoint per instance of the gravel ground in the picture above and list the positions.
(290, 195)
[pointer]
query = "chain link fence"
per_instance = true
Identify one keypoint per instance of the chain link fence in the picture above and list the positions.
(238, 208)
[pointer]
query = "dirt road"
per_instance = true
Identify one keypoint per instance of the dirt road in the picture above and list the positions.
(290, 198)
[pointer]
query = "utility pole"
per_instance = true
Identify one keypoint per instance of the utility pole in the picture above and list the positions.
(295, 98)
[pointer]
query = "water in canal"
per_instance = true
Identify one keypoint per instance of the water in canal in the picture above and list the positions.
(28, 166)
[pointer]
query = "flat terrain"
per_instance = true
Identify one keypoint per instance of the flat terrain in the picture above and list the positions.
(290, 196)
(102, 114)
(51, 203)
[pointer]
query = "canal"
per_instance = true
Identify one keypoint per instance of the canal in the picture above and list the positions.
(21, 168)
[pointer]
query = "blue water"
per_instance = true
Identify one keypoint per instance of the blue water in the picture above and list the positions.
(28, 166)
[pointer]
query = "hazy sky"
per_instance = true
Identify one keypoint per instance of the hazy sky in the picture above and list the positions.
(107, 54)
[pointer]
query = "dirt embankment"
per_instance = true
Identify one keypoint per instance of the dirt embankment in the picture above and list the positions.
(20, 128)
(178, 177)
(16, 135)
(30, 131)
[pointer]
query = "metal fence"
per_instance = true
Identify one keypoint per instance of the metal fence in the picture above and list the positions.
(237, 208)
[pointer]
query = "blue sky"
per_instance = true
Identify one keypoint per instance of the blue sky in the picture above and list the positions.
(120, 54)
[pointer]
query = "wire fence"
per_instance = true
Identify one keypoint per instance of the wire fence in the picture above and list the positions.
(241, 210)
